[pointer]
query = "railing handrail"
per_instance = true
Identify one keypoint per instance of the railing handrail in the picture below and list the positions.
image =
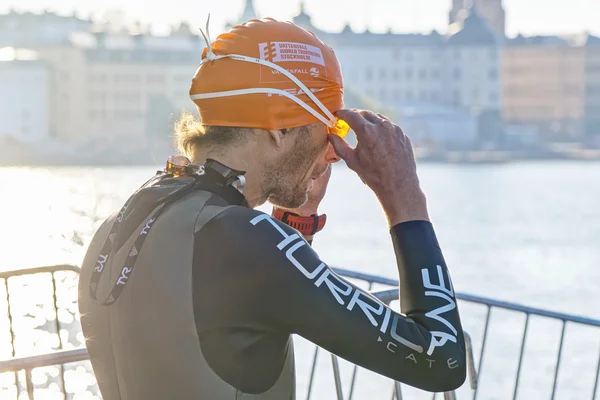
(474, 299)
(43, 360)
(374, 279)
(38, 270)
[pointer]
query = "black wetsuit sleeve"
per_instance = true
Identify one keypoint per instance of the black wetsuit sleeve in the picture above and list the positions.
(278, 283)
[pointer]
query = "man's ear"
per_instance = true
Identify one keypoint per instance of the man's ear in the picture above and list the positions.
(277, 136)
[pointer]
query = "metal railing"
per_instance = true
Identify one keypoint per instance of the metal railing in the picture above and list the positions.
(39, 360)
(61, 358)
(490, 304)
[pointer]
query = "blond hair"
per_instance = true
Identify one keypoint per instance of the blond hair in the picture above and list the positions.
(190, 134)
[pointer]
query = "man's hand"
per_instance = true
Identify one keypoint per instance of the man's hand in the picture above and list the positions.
(384, 159)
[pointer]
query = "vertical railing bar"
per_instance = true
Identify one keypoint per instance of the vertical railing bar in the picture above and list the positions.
(562, 336)
(355, 368)
(312, 373)
(485, 331)
(29, 384)
(57, 325)
(521, 356)
(353, 382)
(596, 382)
(398, 390)
(12, 333)
(450, 395)
(337, 377)
(471, 370)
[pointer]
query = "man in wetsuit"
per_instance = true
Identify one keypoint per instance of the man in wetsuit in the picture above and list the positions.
(219, 287)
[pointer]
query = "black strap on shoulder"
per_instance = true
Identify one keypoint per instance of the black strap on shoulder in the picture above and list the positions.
(175, 193)
(169, 191)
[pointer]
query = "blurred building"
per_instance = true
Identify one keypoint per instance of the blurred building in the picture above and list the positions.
(491, 10)
(28, 29)
(121, 89)
(592, 90)
(544, 85)
(432, 126)
(24, 96)
(248, 14)
(123, 86)
(472, 65)
(459, 71)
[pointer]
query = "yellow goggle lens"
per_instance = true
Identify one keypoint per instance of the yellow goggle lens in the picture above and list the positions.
(340, 129)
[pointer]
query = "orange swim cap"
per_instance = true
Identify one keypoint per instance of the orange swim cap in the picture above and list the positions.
(257, 75)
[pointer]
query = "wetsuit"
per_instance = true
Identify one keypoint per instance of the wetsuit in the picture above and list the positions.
(219, 288)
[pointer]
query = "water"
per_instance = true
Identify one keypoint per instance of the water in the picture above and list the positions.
(527, 233)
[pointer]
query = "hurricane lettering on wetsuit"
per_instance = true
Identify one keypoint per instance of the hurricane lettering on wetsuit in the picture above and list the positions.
(438, 339)
(342, 291)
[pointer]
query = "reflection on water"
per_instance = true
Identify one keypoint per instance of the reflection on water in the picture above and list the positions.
(32, 321)
(526, 233)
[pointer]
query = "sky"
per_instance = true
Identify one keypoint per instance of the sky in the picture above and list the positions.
(528, 17)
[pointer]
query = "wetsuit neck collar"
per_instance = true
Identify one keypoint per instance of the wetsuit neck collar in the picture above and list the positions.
(223, 181)
(227, 192)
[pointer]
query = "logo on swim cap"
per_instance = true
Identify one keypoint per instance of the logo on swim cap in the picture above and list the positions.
(291, 51)
(314, 72)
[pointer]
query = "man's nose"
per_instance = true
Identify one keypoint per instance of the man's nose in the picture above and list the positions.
(330, 155)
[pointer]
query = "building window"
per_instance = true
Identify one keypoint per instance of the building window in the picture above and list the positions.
(396, 75)
(493, 74)
(125, 115)
(593, 90)
(422, 74)
(435, 96)
(456, 97)
(97, 114)
(516, 70)
(457, 54)
(409, 74)
(457, 73)
(435, 74)
(493, 97)
(155, 78)
(369, 74)
(396, 94)
(409, 95)
(409, 56)
(383, 94)
(423, 95)
(382, 74)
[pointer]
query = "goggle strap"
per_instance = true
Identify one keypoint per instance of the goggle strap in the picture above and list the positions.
(240, 92)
